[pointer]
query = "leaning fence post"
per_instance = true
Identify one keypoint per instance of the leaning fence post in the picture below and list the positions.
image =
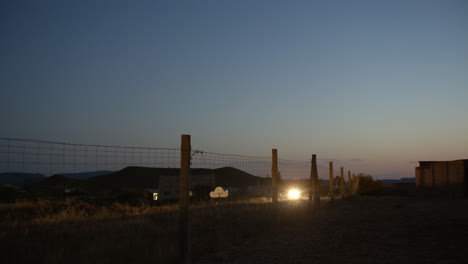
(274, 176)
(332, 184)
(315, 190)
(184, 186)
(342, 182)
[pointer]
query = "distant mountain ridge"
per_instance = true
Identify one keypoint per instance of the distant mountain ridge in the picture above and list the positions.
(24, 178)
(57, 183)
(85, 175)
(402, 180)
(20, 178)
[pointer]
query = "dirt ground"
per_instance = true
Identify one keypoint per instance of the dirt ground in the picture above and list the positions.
(361, 230)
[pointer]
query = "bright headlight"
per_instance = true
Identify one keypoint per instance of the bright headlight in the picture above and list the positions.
(294, 194)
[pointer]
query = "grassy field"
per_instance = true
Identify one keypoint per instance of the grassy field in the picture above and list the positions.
(77, 232)
(356, 230)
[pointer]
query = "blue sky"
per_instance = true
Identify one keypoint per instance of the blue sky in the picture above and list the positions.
(385, 82)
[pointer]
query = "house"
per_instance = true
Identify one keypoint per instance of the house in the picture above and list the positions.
(443, 175)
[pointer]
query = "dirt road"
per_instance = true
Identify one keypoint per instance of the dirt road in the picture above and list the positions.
(362, 230)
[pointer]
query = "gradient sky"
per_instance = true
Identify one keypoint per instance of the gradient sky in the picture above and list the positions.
(375, 84)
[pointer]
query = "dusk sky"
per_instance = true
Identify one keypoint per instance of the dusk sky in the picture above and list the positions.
(377, 85)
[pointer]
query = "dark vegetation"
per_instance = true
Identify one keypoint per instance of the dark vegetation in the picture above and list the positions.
(369, 186)
(10, 193)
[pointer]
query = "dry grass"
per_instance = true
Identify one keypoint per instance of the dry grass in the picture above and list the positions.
(77, 232)
(357, 230)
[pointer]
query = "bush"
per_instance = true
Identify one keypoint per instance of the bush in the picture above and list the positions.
(367, 184)
(9, 193)
(132, 197)
(202, 192)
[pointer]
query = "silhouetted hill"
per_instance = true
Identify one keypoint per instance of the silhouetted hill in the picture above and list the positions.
(136, 178)
(20, 178)
(58, 183)
(85, 175)
(232, 177)
(143, 178)
(57, 180)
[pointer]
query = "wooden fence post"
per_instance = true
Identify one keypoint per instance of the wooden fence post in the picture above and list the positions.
(332, 184)
(274, 176)
(315, 190)
(350, 183)
(357, 183)
(354, 184)
(312, 182)
(342, 182)
(184, 188)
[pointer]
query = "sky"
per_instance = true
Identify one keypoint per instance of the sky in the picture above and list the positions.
(376, 85)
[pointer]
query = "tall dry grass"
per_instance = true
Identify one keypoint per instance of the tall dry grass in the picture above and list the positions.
(77, 232)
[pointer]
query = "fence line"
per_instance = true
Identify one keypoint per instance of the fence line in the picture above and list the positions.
(53, 157)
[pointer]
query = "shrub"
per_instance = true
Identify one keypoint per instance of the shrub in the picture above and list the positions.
(132, 197)
(367, 184)
(10, 193)
(202, 192)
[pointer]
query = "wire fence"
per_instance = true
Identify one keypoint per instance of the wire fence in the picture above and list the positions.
(258, 166)
(50, 157)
